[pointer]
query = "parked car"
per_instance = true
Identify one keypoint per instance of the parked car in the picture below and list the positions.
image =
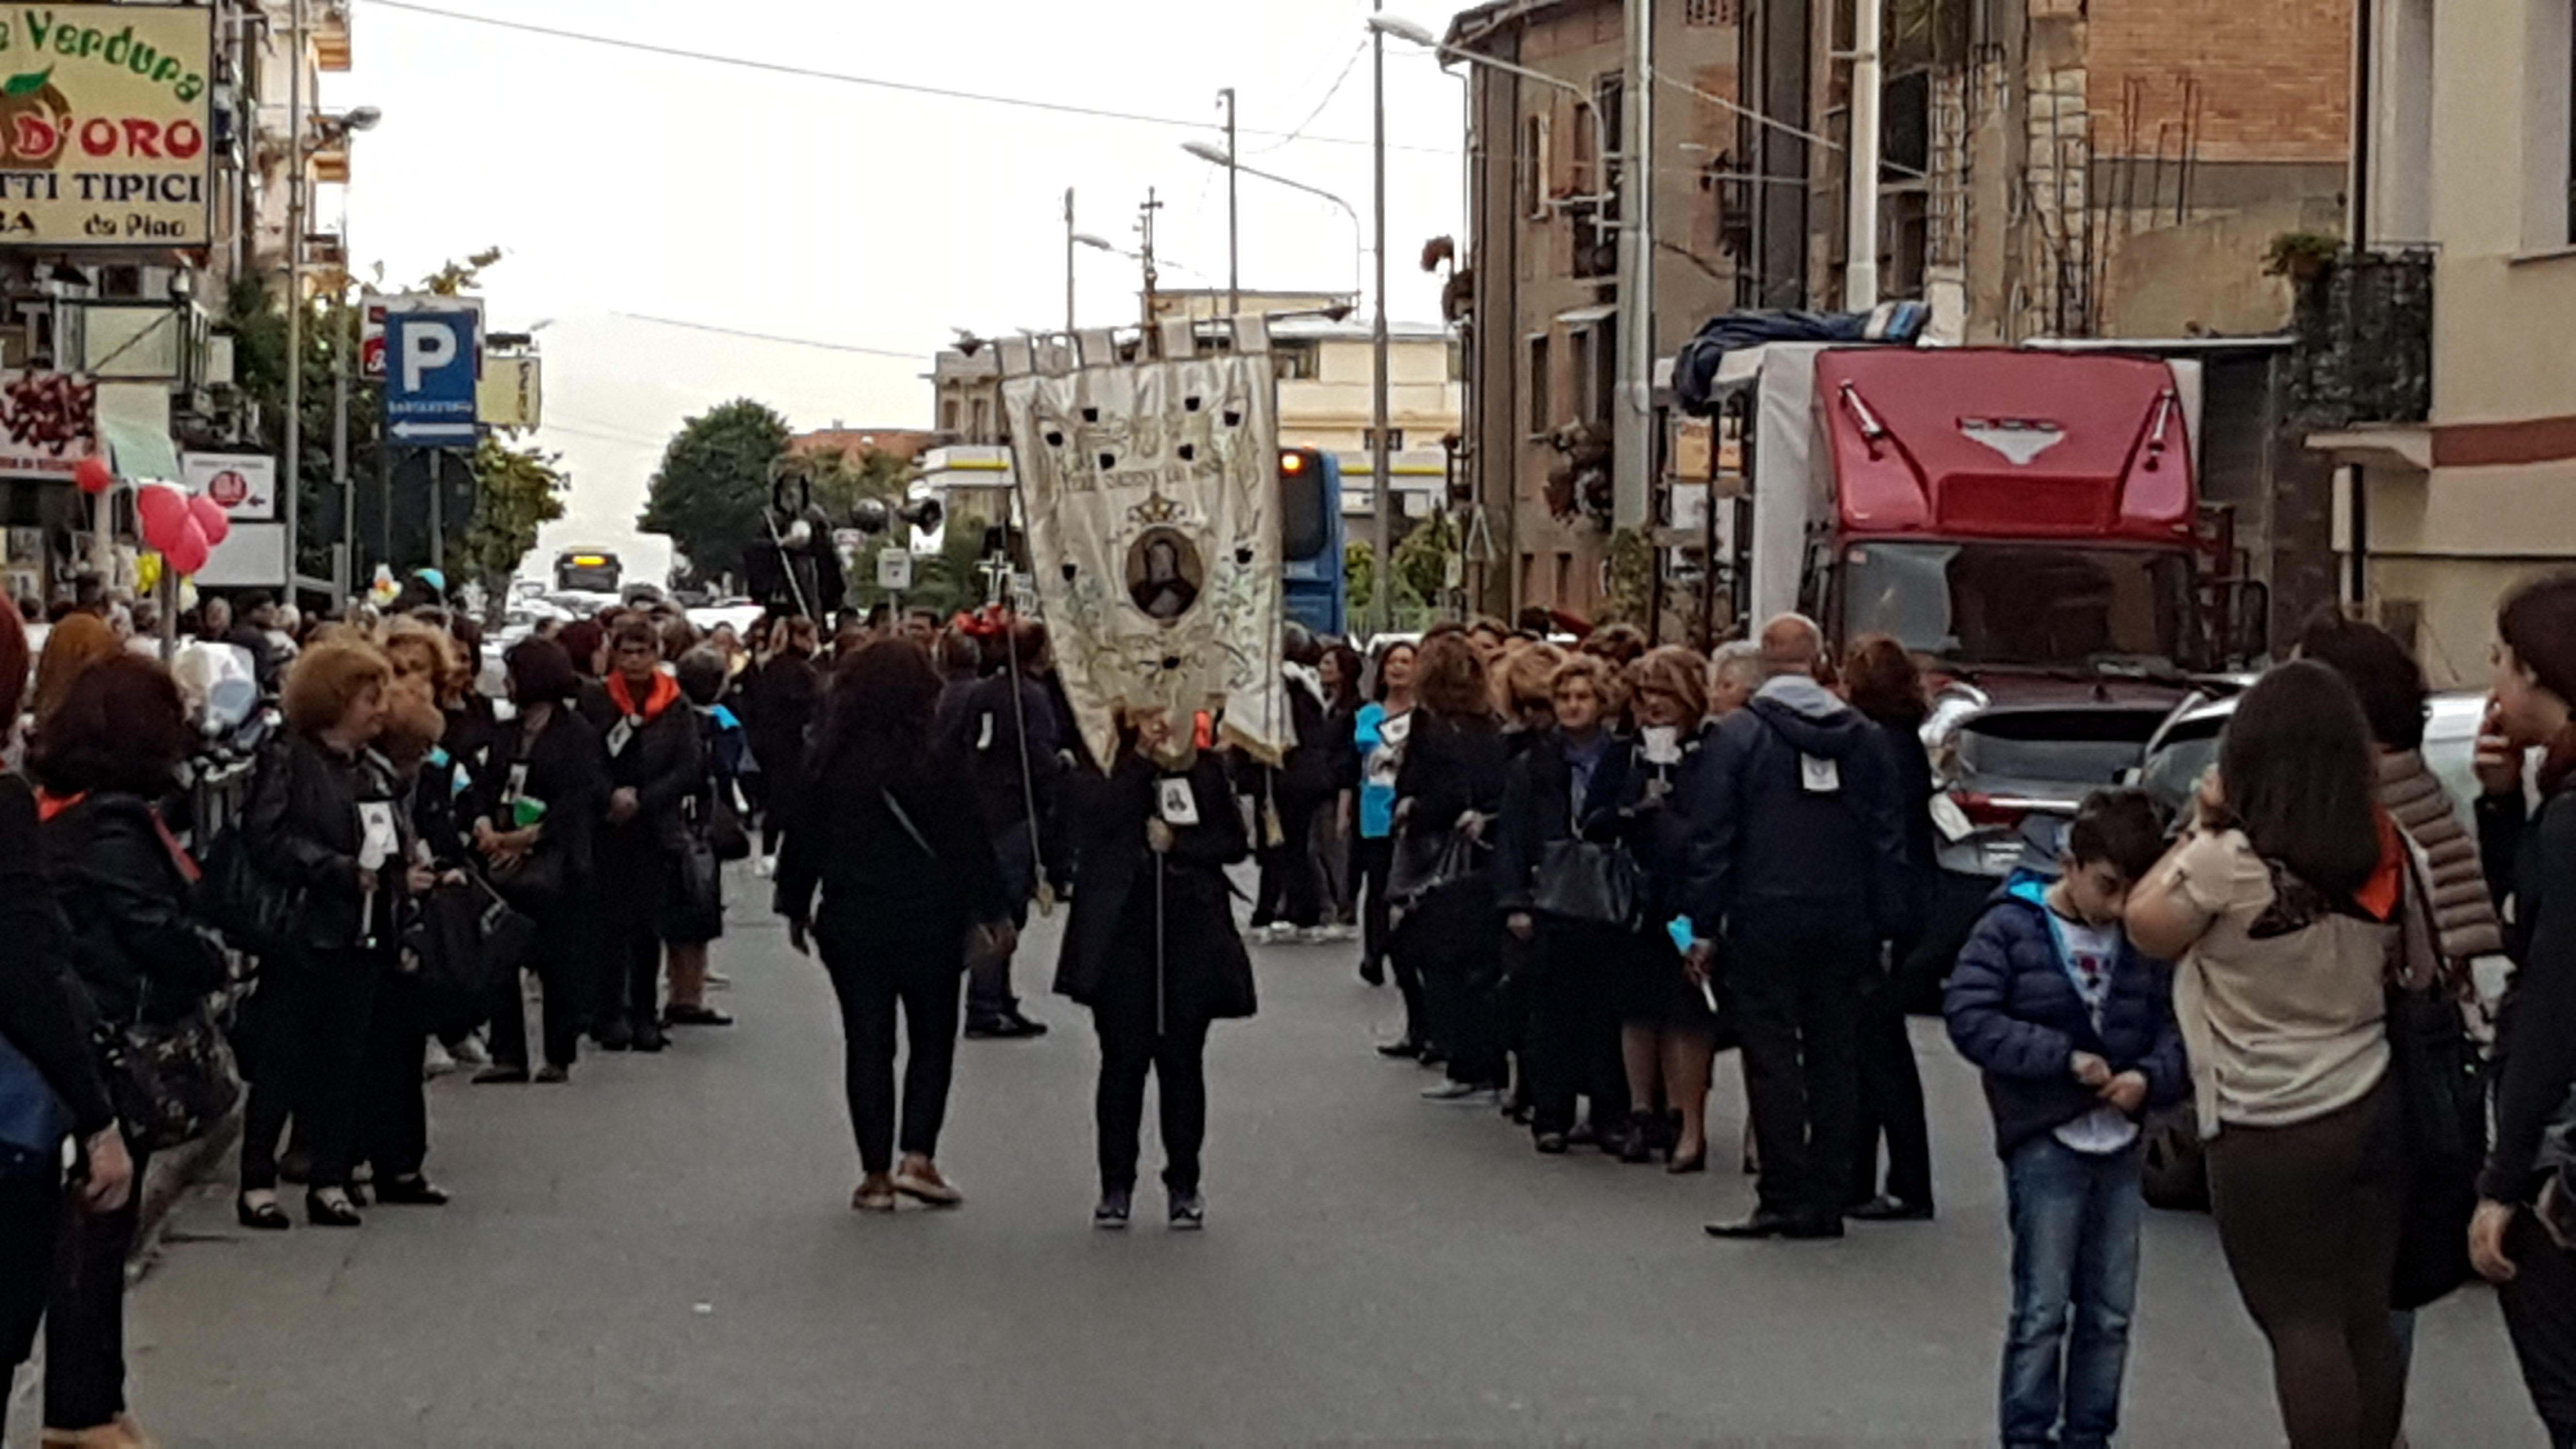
(2187, 744)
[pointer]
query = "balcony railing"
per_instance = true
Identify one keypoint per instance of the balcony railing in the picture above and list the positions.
(2365, 349)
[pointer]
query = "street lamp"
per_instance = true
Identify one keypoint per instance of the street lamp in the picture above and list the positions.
(1412, 32)
(1217, 156)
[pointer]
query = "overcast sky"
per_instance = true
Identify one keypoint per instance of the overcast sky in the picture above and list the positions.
(662, 186)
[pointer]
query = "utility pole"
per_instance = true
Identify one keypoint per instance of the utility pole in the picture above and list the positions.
(1381, 458)
(1632, 434)
(293, 486)
(1068, 261)
(1233, 214)
(1145, 255)
(1860, 269)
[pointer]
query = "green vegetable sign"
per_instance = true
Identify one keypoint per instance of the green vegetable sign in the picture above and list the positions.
(105, 125)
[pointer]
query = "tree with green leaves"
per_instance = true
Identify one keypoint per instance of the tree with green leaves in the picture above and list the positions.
(708, 495)
(1421, 574)
(518, 490)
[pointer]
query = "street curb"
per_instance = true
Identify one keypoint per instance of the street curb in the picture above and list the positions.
(168, 1178)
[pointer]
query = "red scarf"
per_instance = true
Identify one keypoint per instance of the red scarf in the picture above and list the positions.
(50, 805)
(666, 692)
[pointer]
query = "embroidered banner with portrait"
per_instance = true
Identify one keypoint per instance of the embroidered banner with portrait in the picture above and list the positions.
(1153, 525)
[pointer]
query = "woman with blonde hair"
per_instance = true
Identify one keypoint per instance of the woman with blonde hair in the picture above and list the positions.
(326, 822)
(1667, 1023)
(1572, 788)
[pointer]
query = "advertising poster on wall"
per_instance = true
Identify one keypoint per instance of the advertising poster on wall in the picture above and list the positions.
(48, 423)
(106, 121)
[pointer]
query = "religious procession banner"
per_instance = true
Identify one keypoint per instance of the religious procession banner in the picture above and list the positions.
(1151, 490)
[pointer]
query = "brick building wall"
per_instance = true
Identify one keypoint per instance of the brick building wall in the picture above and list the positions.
(2274, 76)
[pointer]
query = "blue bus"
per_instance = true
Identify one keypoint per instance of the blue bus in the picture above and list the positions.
(1310, 539)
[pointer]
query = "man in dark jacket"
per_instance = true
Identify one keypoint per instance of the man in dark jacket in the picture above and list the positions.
(1015, 781)
(1797, 854)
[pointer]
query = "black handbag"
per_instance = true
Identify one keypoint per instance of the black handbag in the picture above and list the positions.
(1426, 860)
(1589, 881)
(253, 909)
(2174, 1170)
(694, 910)
(171, 1081)
(534, 882)
(725, 831)
(470, 941)
(2440, 1080)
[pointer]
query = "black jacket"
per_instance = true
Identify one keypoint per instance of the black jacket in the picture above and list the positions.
(662, 762)
(567, 771)
(982, 729)
(1663, 837)
(876, 879)
(1207, 973)
(1797, 809)
(43, 1011)
(2536, 1034)
(136, 945)
(303, 826)
(1451, 765)
(778, 704)
(1538, 808)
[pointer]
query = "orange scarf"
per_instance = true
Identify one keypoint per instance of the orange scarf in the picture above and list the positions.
(2386, 887)
(665, 693)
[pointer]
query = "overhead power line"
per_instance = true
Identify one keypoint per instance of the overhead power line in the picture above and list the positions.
(915, 355)
(772, 67)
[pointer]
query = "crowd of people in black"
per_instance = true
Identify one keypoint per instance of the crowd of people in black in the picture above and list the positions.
(1587, 870)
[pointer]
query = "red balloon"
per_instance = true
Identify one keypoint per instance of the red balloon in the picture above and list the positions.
(94, 476)
(187, 553)
(161, 510)
(211, 518)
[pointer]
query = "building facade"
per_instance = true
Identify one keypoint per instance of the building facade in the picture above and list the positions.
(113, 328)
(2468, 181)
(1541, 308)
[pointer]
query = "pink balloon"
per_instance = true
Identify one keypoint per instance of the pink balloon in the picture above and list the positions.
(187, 552)
(211, 518)
(161, 509)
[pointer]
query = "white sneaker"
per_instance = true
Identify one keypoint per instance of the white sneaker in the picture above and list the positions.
(470, 1052)
(1314, 935)
(767, 867)
(437, 1063)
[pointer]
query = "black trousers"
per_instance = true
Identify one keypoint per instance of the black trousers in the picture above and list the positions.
(1465, 1017)
(85, 1311)
(311, 1059)
(1137, 1038)
(393, 1105)
(556, 957)
(1292, 886)
(874, 976)
(2540, 1316)
(31, 1206)
(627, 898)
(1891, 1103)
(1797, 977)
(1572, 1046)
(990, 1001)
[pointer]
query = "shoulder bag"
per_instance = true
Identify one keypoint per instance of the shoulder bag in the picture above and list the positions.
(2440, 1080)
(171, 1081)
(1590, 882)
(253, 909)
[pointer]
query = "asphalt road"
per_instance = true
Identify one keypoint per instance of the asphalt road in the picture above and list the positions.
(662, 1253)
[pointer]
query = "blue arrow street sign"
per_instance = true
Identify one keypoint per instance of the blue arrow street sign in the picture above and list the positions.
(429, 377)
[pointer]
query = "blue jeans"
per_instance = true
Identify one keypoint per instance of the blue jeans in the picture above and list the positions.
(2075, 1221)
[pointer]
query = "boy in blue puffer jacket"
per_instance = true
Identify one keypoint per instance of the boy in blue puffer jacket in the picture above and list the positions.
(2074, 1032)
